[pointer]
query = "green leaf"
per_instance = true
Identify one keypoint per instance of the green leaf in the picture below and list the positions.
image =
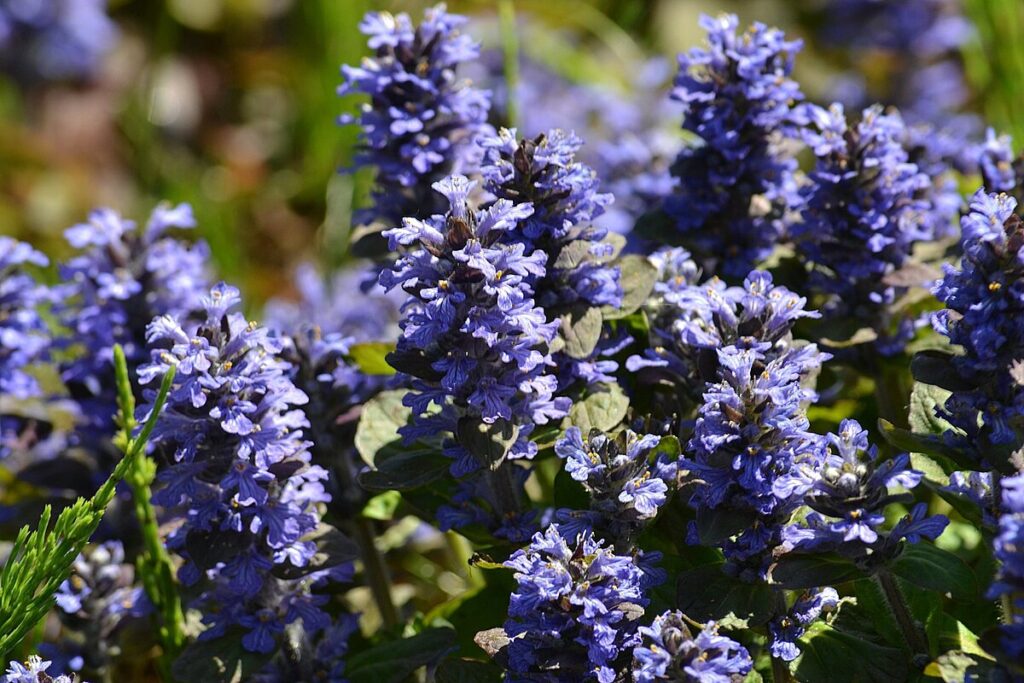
(928, 566)
(371, 357)
(468, 671)
(715, 526)
(950, 458)
(573, 254)
(705, 593)
(957, 666)
(382, 506)
(396, 661)
(924, 398)
(861, 335)
(602, 409)
(581, 330)
(797, 570)
(221, 660)
(637, 276)
(332, 548)
(830, 654)
(489, 443)
(936, 368)
(379, 422)
(405, 470)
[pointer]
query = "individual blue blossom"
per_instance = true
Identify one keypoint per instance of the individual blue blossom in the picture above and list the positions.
(628, 483)
(99, 601)
(848, 489)
(239, 475)
(975, 487)
(750, 430)
(421, 122)
(864, 211)
(473, 340)
(784, 631)
(1000, 170)
(982, 314)
(690, 323)
(735, 187)
(670, 652)
(24, 335)
(124, 277)
(573, 614)
(33, 670)
(48, 40)
(1008, 548)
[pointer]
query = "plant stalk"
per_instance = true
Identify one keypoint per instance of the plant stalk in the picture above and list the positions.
(898, 606)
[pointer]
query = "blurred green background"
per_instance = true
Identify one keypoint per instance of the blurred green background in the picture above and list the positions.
(230, 105)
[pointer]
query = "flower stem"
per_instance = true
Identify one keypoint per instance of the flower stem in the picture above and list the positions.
(898, 606)
(506, 493)
(780, 671)
(378, 576)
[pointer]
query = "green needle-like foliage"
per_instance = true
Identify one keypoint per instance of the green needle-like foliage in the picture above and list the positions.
(41, 559)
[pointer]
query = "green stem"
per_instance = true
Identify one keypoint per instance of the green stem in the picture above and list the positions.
(378, 576)
(780, 671)
(505, 491)
(510, 53)
(892, 394)
(898, 606)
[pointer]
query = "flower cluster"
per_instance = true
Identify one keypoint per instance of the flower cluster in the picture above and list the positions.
(982, 314)
(735, 187)
(573, 612)
(125, 277)
(24, 336)
(864, 211)
(1009, 550)
(54, 39)
(626, 480)
(237, 471)
(35, 670)
(848, 489)
(1000, 171)
(421, 122)
(670, 652)
(787, 629)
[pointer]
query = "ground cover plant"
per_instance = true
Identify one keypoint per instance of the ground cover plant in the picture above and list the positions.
(713, 375)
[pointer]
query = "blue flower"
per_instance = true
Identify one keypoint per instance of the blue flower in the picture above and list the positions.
(784, 631)
(670, 652)
(1008, 548)
(573, 612)
(999, 169)
(239, 477)
(735, 187)
(865, 208)
(34, 670)
(421, 122)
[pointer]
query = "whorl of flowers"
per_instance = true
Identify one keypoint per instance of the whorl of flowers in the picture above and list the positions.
(1009, 583)
(33, 670)
(421, 121)
(627, 486)
(124, 278)
(670, 652)
(848, 489)
(787, 629)
(98, 599)
(54, 39)
(472, 336)
(864, 211)
(573, 613)
(24, 336)
(237, 471)
(750, 430)
(1000, 170)
(734, 187)
(983, 314)
(690, 323)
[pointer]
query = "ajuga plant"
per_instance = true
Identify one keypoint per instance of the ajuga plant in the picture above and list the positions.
(236, 472)
(864, 210)
(422, 120)
(735, 186)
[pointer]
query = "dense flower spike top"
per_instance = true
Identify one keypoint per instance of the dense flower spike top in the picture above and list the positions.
(125, 277)
(1009, 584)
(34, 670)
(471, 334)
(690, 323)
(54, 39)
(734, 188)
(573, 613)
(670, 652)
(848, 489)
(985, 315)
(864, 212)
(24, 336)
(627, 486)
(237, 470)
(421, 122)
